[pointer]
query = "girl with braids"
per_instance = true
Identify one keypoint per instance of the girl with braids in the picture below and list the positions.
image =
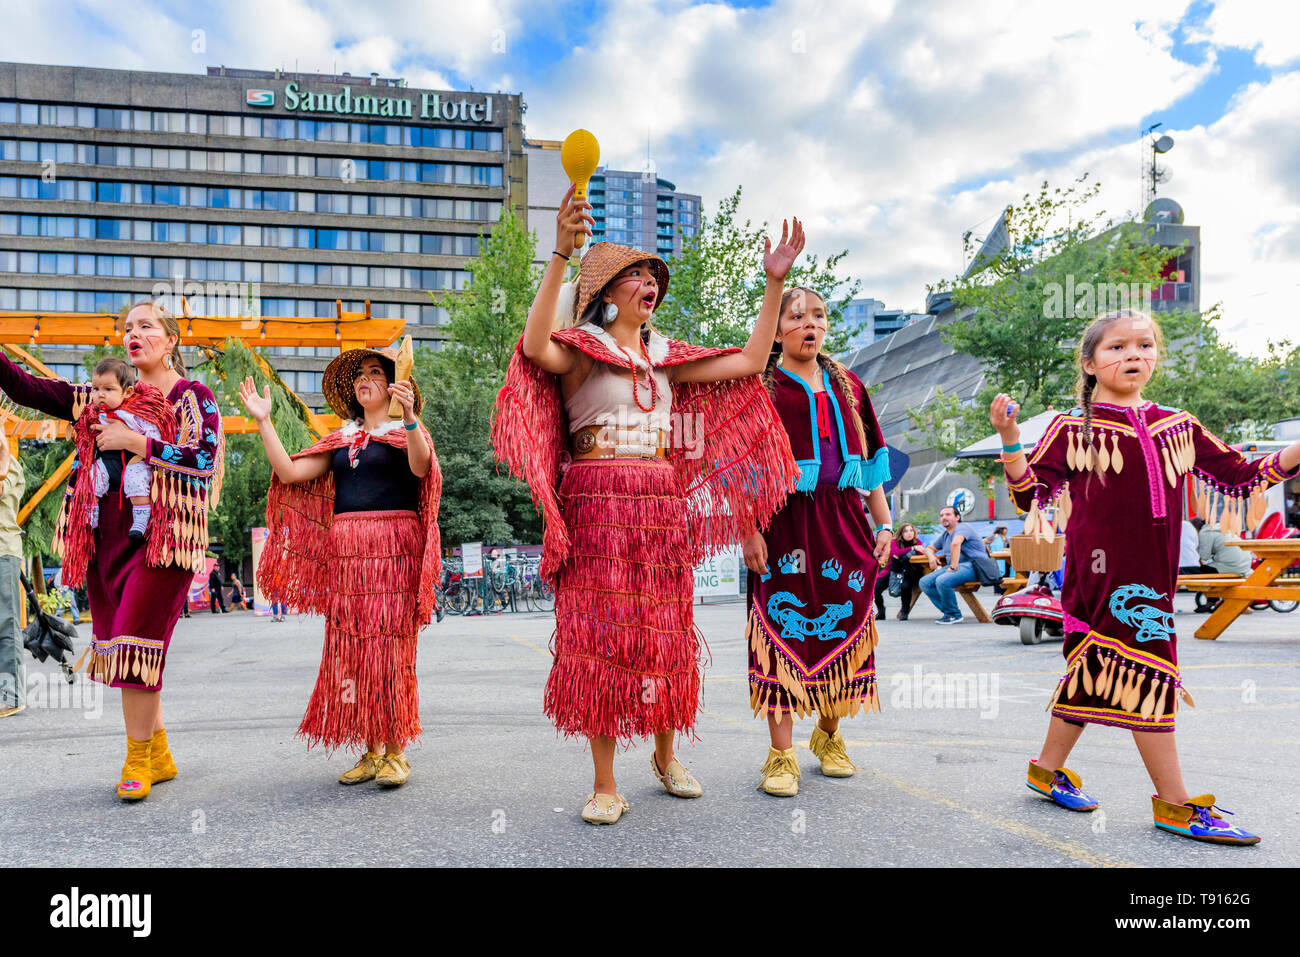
(1117, 467)
(137, 587)
(812, 577)
(644, 454)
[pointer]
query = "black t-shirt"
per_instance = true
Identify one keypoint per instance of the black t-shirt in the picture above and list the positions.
(381, 482)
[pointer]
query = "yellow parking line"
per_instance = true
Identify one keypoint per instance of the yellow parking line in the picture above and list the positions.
(1067, 848)
(528, 644)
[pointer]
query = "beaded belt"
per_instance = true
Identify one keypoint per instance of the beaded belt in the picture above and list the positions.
(587, 445)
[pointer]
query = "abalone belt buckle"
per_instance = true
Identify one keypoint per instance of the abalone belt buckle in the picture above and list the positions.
(584, 442)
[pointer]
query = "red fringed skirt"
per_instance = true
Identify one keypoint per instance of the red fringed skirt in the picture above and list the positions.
(627, 656)
(366, 692)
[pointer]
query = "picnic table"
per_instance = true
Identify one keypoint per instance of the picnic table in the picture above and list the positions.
(1276, 555)
(966, 591)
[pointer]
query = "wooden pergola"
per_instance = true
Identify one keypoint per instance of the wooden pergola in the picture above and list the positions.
(344, 330)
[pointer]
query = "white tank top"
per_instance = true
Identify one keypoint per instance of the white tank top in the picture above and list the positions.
(605, 399)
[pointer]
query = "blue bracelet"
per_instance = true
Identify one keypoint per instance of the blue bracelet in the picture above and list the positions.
(1009, 449)
(412, 426)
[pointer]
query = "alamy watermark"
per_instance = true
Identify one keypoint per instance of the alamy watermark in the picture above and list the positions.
(214, 298)
(1088, 300)
(50, 689)
(933, 689)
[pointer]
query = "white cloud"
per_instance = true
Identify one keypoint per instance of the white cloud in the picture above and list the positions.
(1269, 28)
(889, 127)
(885, 133)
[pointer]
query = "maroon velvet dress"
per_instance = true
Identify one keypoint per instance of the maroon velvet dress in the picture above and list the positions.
(134, 604)
(811, 627)
(1121, 549)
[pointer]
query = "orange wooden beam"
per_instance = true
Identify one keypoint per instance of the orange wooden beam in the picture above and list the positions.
(83, 329)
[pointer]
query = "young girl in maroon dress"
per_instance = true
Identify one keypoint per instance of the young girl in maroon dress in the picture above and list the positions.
(137, 588)
(812, 576)
(676, 451)
(1116, 467)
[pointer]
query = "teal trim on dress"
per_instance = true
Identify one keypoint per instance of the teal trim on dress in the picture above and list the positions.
(850, 475)
(808, 468)
(875, 472)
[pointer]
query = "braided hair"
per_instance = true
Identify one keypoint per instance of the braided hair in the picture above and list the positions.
(838, 374)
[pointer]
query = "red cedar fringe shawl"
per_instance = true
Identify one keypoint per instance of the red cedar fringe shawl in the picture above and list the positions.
(296, 568)
(627, 656)
(74, 539)
(733, 488)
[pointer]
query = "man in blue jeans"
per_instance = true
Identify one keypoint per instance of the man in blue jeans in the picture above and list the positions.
(965, 549)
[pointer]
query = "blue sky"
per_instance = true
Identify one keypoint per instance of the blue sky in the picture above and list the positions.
(889, 127)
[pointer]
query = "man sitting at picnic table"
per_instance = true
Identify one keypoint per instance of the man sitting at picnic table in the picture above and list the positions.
(965, 550)
(1216, 556)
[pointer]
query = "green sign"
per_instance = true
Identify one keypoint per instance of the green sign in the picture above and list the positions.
(431, 106)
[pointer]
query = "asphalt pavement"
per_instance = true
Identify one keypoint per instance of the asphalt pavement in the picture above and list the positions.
(940, 777)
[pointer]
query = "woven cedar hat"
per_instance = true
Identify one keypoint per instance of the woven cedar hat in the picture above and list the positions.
(604, 261)
(337, 384)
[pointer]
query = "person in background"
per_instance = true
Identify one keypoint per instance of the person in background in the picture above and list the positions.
(12, 677)
(999, 542)
(66, 594)
(964, 549)
(277, 611)
(1189, 561)
(216, 597)
(901, 550)
(1217, 556)
(237, 598)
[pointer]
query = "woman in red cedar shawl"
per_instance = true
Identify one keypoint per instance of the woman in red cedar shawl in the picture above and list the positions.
(137, 588)
(676, 451)
(811, 628)
(352, 534)
(1116, 467)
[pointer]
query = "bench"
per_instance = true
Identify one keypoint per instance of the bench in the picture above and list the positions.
(967, 592)
(1209, 581)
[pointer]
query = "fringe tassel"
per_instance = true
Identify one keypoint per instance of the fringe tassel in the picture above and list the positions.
(851, 474)
(747, 468)
(627, 653)
(126, 663)
(844, 690)
(808, 471)
(735, 474)
(297, 563)
(366, 692)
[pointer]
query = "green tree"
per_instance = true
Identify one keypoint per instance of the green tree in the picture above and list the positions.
(1026, 305)
(459, 384)
(716, 286)
(1235, 396)
(40, 458)
(242, 505)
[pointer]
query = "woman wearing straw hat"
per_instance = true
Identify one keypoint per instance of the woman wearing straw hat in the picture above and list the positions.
(644, 454)
(137, 588)
(353, 535)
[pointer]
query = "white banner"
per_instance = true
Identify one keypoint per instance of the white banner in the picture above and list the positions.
(471, 554)
(720, 575)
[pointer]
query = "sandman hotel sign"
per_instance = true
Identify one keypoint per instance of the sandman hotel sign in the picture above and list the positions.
(432, 106)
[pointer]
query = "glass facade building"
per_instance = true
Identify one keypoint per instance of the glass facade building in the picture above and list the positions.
(278, 192)
(641, 210)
